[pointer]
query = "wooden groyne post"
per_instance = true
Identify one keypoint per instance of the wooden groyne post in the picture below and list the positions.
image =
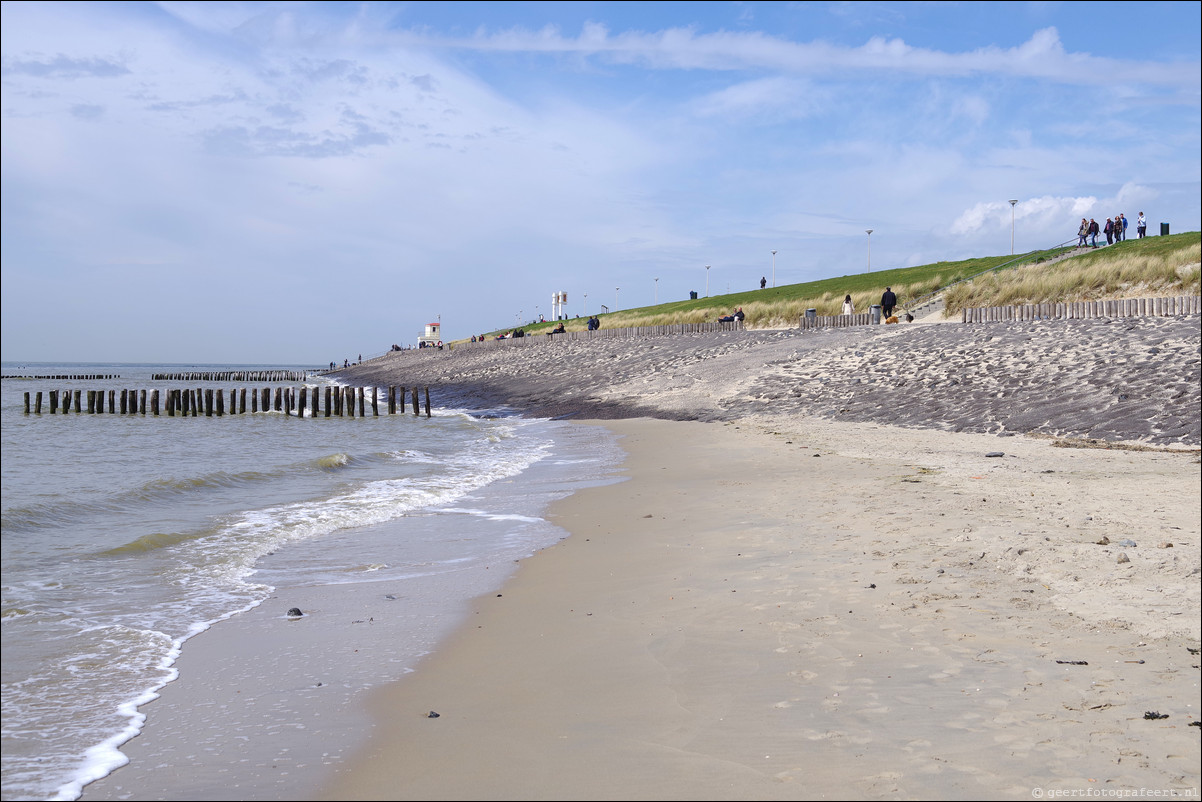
(68, 377)
(211, 402)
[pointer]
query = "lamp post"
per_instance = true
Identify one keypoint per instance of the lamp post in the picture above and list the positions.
(707, 281)
(657, 290)
(616, 298)
(869, 230)
(585, 294)
(1012, 225)
(774, 268)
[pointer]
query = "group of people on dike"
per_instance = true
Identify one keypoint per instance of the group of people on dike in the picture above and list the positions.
(346, 363)
(511, 335)
(1115, 230)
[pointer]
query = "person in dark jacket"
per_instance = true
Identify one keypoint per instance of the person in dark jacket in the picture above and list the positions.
(888, 301)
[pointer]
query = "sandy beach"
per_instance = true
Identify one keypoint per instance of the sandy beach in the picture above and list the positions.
(889, 563)
(795, 610)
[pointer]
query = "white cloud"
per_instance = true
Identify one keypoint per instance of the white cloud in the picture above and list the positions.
(330, 159)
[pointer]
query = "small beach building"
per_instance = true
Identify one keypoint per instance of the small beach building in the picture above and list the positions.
(432, 337)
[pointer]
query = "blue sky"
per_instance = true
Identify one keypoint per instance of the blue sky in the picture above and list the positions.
(307, 182)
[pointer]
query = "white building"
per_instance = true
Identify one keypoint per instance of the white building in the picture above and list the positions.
(433, 335)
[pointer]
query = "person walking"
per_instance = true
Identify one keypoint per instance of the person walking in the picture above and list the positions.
(848, 308)
(1123, 227)
(1082, 232)
(1141, 225)
(1108, 230)
(888, 301)
(1093, 232)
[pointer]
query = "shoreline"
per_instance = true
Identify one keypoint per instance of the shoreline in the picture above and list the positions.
(863, 551)
(266, 703)
(712, 630)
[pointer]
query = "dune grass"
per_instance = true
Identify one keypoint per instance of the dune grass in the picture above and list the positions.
(1136, 268)
(1127, 270)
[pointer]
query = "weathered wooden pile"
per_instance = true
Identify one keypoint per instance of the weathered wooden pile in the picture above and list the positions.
(305, 402)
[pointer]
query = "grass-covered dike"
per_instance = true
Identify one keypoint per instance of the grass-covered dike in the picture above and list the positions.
(1153, 266)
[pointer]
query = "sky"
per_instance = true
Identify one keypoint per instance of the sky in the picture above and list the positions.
(299, 183)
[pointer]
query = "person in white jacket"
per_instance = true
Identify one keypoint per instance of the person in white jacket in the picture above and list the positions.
(1141, 225)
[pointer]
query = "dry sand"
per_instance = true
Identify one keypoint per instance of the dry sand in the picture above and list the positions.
(850, 564)
(1129, 379)
(801, 609)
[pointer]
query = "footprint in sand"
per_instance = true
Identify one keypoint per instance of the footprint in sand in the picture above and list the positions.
(808, 676)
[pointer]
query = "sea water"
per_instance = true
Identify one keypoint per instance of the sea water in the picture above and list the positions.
(125, 535)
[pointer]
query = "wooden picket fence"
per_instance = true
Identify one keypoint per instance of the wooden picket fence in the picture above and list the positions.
(838, 321)
(1084, 310)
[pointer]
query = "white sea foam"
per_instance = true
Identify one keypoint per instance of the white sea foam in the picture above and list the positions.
(124, 538)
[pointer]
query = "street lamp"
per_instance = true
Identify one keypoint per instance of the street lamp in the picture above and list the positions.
(616, 298)
(1012, 225)
(869, 230)
(657, 290)
(585, 302)
(707, 281)
(774, 268)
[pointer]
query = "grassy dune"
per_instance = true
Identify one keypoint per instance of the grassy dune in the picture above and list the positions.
(1136, 268)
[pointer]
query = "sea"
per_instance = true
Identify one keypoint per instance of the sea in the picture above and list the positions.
(124, 536)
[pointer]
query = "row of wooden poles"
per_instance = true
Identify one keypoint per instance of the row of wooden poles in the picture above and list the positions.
(838, 321)
(234, 376)
(68, 377)
(1081, 310)
(339, 401)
